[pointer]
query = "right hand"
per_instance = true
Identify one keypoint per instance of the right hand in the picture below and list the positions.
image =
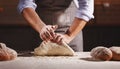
(47, 32)
(59, 38)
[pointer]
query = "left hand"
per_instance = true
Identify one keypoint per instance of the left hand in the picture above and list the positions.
(61, 37)
(47, 32)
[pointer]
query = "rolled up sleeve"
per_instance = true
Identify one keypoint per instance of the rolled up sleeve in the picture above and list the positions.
(85, 10)
(26, 4)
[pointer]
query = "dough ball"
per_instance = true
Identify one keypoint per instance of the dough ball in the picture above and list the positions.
(53, 49)
(116, 52)
(7, 53)
(101, 53)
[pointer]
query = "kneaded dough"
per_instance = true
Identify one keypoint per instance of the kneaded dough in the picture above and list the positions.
(53, 49)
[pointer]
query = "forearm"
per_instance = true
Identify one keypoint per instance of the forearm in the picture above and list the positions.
(77, 25)
(74, 29)
(33, 19)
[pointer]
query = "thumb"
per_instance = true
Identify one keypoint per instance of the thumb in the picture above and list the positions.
(54, 27)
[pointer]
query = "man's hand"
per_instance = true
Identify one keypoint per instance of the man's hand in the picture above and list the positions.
(47, 32)
(59, 38)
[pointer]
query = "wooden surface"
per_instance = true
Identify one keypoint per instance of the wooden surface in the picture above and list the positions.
(82, 60)
(9, 14)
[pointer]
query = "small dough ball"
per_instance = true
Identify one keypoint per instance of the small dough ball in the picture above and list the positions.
(116, 52)
(101, 53)
(7, 53)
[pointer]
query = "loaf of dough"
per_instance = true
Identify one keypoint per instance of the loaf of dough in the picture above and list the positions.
(53, 49)
(116, 52)
(7, 53)
(101, 53)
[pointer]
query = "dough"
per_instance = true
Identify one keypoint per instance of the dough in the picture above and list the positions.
(53, 49)
(101, 53)
(116, 52)
(7, 53)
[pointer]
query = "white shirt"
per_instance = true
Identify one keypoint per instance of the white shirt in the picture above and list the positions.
(85, 7)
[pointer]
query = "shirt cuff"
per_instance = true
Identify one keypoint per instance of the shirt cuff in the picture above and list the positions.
(22, 6)
(84, 15)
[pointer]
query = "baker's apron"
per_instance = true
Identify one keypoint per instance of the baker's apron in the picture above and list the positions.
(61, 13)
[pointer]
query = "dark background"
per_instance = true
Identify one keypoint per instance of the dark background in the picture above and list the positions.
(104, 30)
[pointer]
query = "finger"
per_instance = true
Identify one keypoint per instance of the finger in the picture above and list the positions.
(50, 32)
(60, 41)
(58, 38)
(48, 35)
(54, 39)
(44, 37)
(54, 27)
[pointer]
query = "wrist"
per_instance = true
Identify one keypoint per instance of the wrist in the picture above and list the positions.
(69, 34)
(42, 26)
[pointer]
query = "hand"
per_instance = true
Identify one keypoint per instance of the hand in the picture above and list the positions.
(59, 38)
(47, 32)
